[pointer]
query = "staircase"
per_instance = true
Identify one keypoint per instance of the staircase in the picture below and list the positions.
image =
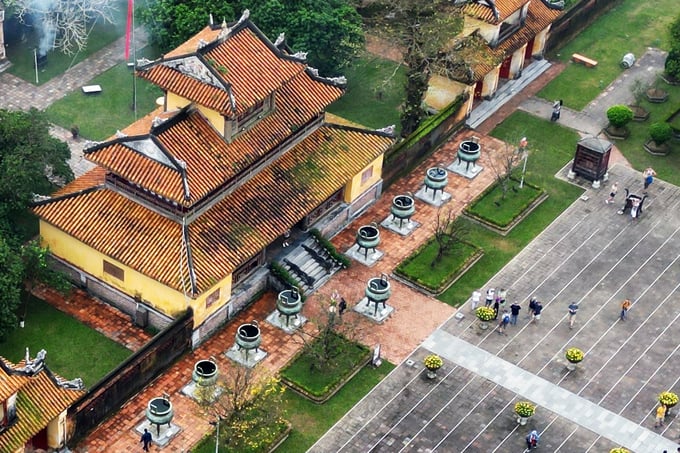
(309, 264)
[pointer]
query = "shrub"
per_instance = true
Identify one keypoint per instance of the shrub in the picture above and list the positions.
(661, 132)
(485, 313)
(668, 399)
(433, 362)
(574, 355)
(672, 65)
(619, 115)
(524, 409)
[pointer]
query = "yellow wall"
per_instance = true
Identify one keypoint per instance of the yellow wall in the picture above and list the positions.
(487, 31)
(355, 188)
(517, 62)
(174, 102)
(163, 298)
(55, 430)
(491, 82)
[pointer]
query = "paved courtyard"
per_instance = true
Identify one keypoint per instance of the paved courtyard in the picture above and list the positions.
(589, 255)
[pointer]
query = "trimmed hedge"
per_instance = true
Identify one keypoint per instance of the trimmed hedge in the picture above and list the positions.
(484, 207)
(330, 248)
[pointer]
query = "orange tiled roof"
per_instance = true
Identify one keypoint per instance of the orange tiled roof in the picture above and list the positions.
(505, 9)
(246, 63)
(188, 139)
(539, 16)
(233, 230)
(39, 401)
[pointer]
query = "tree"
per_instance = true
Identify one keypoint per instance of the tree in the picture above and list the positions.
(447, 233)
(619, 115)
(660, 132)
(672, 64)
(502, 165)
(171, 22)
(30, 162)
(63, 24)
(10, 287)
(426, 30)
(674, 32)
(248, 407)
(329, 30)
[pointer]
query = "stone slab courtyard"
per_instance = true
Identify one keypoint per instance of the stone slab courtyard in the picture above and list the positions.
(590, 255)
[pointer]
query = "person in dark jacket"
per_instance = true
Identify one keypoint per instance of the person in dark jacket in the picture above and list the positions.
(538, 308)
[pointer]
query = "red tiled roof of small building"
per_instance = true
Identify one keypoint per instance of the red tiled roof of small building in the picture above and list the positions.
(483, 10)
(39, 401)
(233, 230)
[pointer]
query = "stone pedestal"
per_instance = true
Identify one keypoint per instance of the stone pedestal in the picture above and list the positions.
(369, 260)
(367, 309)
(392, 223)
(437, 200)
(191, 388)
(160, 437)
(465, 170)
(252, 359)
(278, 320)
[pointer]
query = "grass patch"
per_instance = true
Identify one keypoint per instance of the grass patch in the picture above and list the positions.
(22, 40)
(310, 421)
(419, 269)
(606, 41)
(378, 81)
(492, 208)
(207, 445)
(302, 374)
(552, 146)
(73, 349)
(99, 116)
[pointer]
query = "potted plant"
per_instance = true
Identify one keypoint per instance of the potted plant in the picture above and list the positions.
(618, 116)
(524, 410)
(660, 132)
(619, 450)
(432, 362)
(637, 89)
(574, 356)
(485, 314)
(668, 399)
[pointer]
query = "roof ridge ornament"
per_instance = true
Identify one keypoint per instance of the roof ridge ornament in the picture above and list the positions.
(226, 31)
(301, 56)
(73, 384)
(33, 367)
(388, 129)
(121, 134)
(280, 39)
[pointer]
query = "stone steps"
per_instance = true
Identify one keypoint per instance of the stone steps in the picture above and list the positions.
(305, 262)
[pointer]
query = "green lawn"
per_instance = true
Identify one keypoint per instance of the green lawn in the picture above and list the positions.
(552, 146)
(99, 116)
(73, 349)
(376, 82)
(630, 27)
(21, 51)
(499, 209)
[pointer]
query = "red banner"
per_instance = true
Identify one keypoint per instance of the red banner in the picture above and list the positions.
(128, 29)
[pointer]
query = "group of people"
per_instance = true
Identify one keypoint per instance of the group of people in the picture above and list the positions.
(633, 202)
(508, 315)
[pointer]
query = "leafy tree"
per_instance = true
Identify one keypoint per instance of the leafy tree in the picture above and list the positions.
(672, 64)
(619, 115)
(249, 407)
(171, 22)
(31, 160)
(10, 287)
(425, 29)
(329, 30)
(660, 132)
(674, 32)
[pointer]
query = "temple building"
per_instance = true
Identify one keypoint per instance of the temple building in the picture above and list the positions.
(185, 204)
(33, 404)
(499, 39)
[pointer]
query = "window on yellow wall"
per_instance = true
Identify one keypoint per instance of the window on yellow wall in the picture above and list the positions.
(211, 299)
(367, 175)
(114, 271)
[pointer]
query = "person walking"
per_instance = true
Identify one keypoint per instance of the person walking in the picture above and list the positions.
(502, 294)
(612, 193)
(538, 308)
(496, 308)
(648, 177)
(489, 297)
(532, 439)
(342, 306)
(532, 306)
(573, 308)
(476, 297)
(514, 312)
(660, 415)
(505, 320)
(146, 439)
(625, 305)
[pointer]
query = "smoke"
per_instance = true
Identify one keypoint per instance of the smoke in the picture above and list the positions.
(43, 13)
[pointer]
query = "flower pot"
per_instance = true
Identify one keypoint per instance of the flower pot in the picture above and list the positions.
(484, 325)
(522, 420)
(431, 374)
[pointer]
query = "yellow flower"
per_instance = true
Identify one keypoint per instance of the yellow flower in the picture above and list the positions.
(524, 409)
(574, 355)
(433, 362)
(668, 399)
(619, 450)
(485, 313)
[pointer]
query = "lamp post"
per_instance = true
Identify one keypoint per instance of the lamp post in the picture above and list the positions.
(523, 149)
(217, 434)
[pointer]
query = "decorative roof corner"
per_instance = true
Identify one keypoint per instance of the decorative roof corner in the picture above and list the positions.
(389, 130)
(340, 81)
(554, 4)
(226, 30)
(35, 366)
(280, 40)
(120, 134)
(73, 384)
(492, 5)
(299, 56)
